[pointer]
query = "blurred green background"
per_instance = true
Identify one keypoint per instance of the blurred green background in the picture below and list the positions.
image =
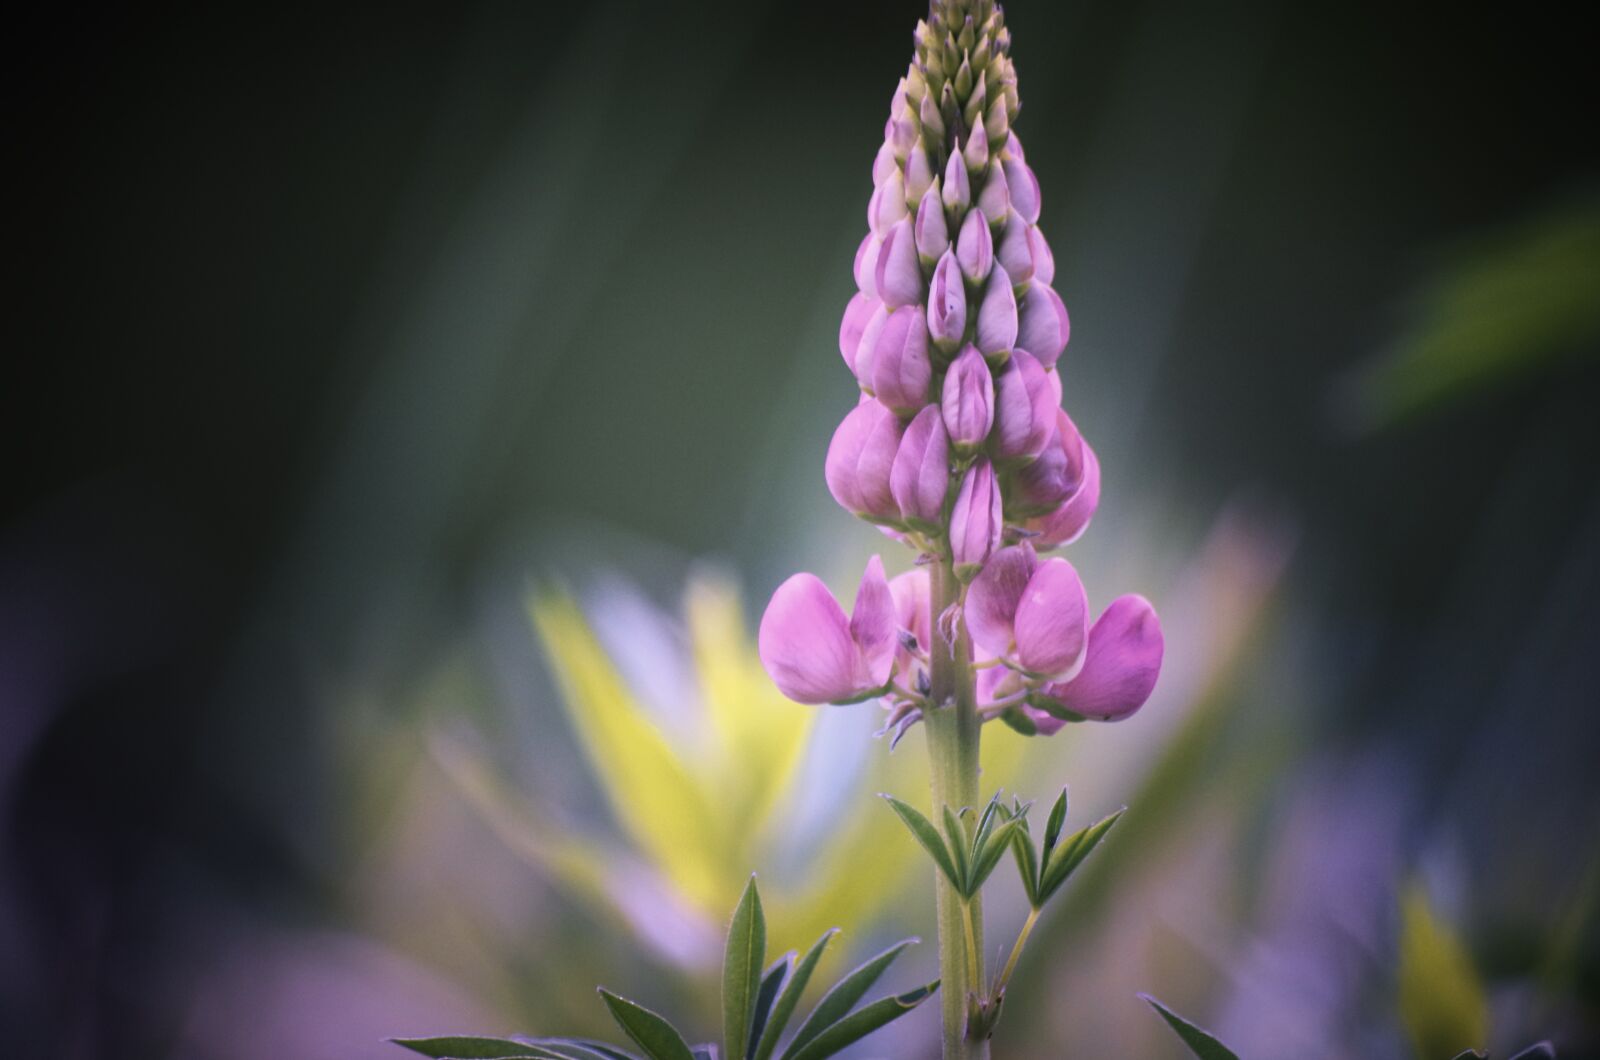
(338, 339)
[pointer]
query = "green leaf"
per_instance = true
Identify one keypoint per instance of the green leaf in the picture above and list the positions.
(1200, 1043)
(581, 1049)
(1442, 1002)
(958, 849)
(927, 835)
(468, 1047)
(1070, 854)
(1052, 828)
(742, 959)
(1019, 722)
(858, 1025)
(658, 1038)
(771, 983)
(1027, 863)
(789, 998)
(988, 855)
(839, 1000)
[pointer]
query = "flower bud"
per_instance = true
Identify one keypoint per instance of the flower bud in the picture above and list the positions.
(884, 164)
(975, 248)
(1014, 251)
(856, 315)
(1052, 622)
(947, 304)
(997, 315)
(1044, 485)
(1044, 262)
(919, 174)
(1024, 189)
(920, 476)
(993, 598)
(900, 369)
(957, 184)
(963, 78)
(1014, 148)
(1043, 327)
(860, 459)
(1025, 409)
(1067, 523)
(933, 236)
(932, 120)
(866, 267)
(995, 199)
(967, 402)
(1120, 667)
(888, 203)
(976, 521)
(901, 132)
(976, 152)
(867, 347)
(975, 101)
(816, 655)
(898, 277)
(998, 119)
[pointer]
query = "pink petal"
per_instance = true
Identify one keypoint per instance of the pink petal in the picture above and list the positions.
(994, 595)
(1024, 189)
(920, 477)
(1015, 250)
(900, 368)
(898, 278)
(856, 315)
(1067, 523)
(1123, 662)
(997, 315)
(872, 625)
(805, 643)
(1052, 624)
(1044, 327)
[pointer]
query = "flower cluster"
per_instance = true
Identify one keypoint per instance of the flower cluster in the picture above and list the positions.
(959, 446)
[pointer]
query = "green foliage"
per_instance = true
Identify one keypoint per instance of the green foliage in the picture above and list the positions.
(966, 857)
(1044, 871)
(756, 1008)
(1442, 1002)
(1200, 1043)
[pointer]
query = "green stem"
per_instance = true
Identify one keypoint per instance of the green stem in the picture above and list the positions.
(1016, 951)
(953, 729)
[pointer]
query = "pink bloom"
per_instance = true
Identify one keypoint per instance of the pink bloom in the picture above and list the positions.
(947, 304)
(997, 315)
(994, 201)
(1044, 485)
(1024, 189)
(898, 275)
(975, 248)
(900, 370)
(1044, 262)
(1025, 409)
(994, 595)
(887, 205)
(975, 521)
(957, 185)
(1015, 250)
(1035, 613)
(932, 234)
(1119, 669)
(856, 315)
(1044, 328)
(920, 477)
(1067, 523)
(968, 400)
(866, 267)
(860, 458)
(912, 592)
(814, 654)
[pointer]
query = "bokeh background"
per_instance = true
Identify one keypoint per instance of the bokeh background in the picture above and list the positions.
(408, 412)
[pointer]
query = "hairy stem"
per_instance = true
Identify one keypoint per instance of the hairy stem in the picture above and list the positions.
(1016, 952)
(953, 728)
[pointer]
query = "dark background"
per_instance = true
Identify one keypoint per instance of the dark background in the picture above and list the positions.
(318, 320)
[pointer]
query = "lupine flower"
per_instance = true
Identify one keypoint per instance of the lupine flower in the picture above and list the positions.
(856, 315)
(911, 609)
(1025, 409)
(920, 477)
(1043, 328)
(1023, 186)
(976, 521)
(994, 202)
(933, 235)
(947, 305)
(975, 248)
(997, 318)
(1042, 486)
(1034, 614)
(815, 654)
(993, 597)
(899, 366)
(968, 400)
(1015, 249)
(1119, 669)
(898, 274)
(860, 458)
(957, 185)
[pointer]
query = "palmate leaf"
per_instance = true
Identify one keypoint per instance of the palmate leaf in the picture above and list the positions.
(864, 1021)
(838, 1001)
(743, 957)
(649, 1031)
(1069, 855)
(958, 849)
(1200, 1043)
(1027, 863)
(471, 1047)
(789, 997)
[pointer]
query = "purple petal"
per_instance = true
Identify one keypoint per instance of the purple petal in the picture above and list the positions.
(967, 401)
(884, 164)
(1067, 523)
(899, 277)
(866, 268)
(1043, 328)
(1024, 189)
(900, 368)
(1122, 663)
(859, 460)
(975, 521)
(947, 303)
(975, 247)
(872, 625)
(805, 643)
(912, 595)
(920, 477)
(1044, 262)
(997, 315)
(856, 315)
(1044, 485)
(867, 348)
(1052, 624)
(1025, 410)
(976, 152)
(957, 191)
(919, 173)
(1015, 251)
(994, 595)
(994, 201)
(888, 204)
(933, 235)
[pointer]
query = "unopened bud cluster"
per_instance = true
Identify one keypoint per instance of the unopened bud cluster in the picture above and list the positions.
(959, 446)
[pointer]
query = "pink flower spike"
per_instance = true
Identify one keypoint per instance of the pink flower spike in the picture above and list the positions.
(898, 275)
(967, 401)
(994, 595)
(920, 477)
(1067, 523)
(856, 315)
(814, 654)
(1052, 623)
(900, 369)
(1121, 666)
(1043, 327)
(975, 521)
